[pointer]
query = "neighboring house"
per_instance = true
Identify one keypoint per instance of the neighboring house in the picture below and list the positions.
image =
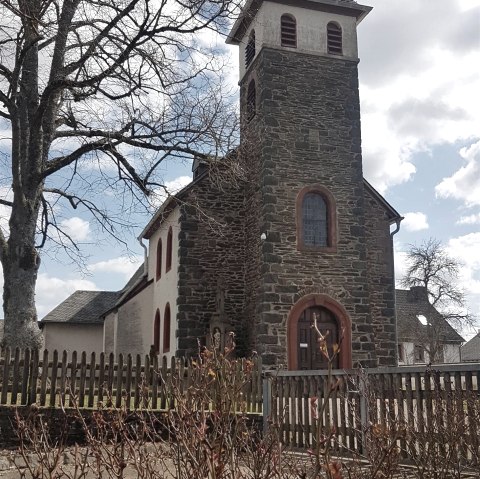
(471, 350)
(424, 336)
(77, 323)
(300, 235)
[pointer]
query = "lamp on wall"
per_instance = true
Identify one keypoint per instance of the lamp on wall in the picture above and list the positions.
(263, 236)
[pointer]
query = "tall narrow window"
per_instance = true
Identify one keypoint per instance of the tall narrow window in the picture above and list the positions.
(166, 329)
(419, 354)
(315, 220)
(156, 332)
(334, 39)
(159, 259)
(251, 100)
(250, 49)
(288, 31)
(168, 262)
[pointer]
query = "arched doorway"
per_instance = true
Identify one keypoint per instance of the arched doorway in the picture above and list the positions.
(309, 355)
(334, 324)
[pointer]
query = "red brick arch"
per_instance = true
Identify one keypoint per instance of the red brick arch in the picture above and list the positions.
(341, 315)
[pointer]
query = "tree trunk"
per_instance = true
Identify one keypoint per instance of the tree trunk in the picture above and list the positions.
(20, 269)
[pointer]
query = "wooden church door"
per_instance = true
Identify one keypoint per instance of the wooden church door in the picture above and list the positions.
(309, 354)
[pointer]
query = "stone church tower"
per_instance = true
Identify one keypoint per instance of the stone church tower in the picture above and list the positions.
(317, 235)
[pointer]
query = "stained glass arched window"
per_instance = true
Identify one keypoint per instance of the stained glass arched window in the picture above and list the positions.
(315, 220)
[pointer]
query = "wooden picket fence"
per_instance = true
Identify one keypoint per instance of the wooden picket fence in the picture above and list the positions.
(414, 404)
(75, 380)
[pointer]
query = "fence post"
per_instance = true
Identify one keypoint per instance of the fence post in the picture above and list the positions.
(362, 392)
(267, 400)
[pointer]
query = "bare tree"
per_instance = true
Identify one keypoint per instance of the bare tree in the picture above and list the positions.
(96, 94)
(431, 267)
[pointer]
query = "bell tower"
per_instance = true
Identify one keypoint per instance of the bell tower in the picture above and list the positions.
(305, 233)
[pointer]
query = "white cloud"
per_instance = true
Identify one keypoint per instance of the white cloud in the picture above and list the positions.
(464, 184)
(467, 249)
(469, 220)
(419, 85)
(400, 265)
(415, 221)
(76, 228)
(125, 266)
(51, 291)
(170, 188)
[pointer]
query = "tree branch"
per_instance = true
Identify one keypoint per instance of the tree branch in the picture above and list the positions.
(58, 163)
(6, 203)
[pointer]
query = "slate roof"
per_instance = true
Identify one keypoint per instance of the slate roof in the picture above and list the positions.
(83, 307)
(471, 349)
(413, 302)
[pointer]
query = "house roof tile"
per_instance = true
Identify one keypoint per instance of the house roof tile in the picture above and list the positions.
(412, 303)
(471, 349)
(83, 307)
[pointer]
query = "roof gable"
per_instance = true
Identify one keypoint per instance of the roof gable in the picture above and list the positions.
(392, 213)
(471, 349)
(83, 307)
(409, 304)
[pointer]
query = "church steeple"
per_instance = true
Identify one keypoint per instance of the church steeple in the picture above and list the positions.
(306, 239)
(322, 27)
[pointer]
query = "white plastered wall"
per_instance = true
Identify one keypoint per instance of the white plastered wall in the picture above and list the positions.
(73, 337)
(165, 289)
(311, 31)
(451, 353)
(409, 355)
(109, 332)
(132, 325)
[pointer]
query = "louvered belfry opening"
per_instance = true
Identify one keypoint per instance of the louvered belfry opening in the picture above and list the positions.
(289, 31)
(250, 49)
(251, 100)
(334, 39)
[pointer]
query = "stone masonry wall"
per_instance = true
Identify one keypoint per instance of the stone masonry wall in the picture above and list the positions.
(381, 280)
(308, 125)
(211, 257)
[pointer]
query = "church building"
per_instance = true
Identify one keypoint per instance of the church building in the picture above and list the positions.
(301, 236)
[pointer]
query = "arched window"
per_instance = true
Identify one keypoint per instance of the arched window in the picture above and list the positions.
(159, 260)
(334, 39)
(250, 49)
(166, 329)
(156, 332)
(288, 31)
(251, 100)
(316, 219)
(168, 262)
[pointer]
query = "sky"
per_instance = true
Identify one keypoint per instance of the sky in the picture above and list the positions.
(420, 102)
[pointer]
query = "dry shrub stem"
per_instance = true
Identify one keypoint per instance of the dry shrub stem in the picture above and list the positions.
(207, 433)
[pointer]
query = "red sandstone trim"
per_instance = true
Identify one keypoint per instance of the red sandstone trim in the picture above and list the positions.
(331, 218)
(344, 324)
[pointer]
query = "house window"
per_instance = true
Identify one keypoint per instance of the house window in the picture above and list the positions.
(316, 219)
(250, 49)
(159, 260)
(251, 100)
(419, 354)
(166, 329)
(288, 31)
(156, 332)
(334, 39)
(401, 353)
(168, 265)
